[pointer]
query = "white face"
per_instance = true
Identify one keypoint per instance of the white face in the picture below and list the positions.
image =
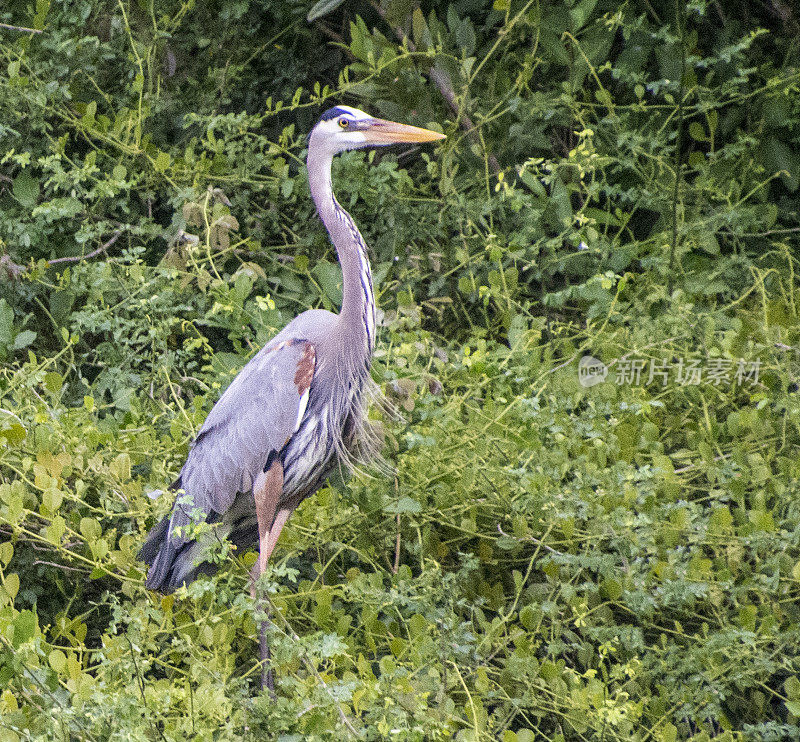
(341, 132)
(343, 128)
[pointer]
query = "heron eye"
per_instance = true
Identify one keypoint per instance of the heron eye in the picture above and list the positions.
(344, 123)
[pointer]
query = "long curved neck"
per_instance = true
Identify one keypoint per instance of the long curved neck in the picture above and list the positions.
(358, 298)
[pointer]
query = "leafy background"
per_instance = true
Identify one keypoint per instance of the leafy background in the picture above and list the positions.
(548, 561)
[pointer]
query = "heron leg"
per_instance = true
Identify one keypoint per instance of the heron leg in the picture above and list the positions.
(275, 531)
(266, 492)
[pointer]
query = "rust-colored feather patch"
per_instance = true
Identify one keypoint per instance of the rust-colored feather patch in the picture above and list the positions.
(305, 369)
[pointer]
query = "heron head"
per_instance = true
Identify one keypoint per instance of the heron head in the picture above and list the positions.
(342, 128)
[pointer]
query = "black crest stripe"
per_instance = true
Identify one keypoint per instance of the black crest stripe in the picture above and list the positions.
(332, 113)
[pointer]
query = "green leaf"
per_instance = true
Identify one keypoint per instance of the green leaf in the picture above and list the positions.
(404, 505)
(549, 671)
(712, 117)
(465, 37)
(697, 132)
(11, 428)
(120, 467)
(6, 324)
(57, 660)
(6, 552)
(52, 499)
(793, 707)
(53, 381)
(330, 278)
(553, 48)
(747, 617)
(529, 617)
(721, 520)
(560, 199)
(779, 156)
(24, 339)
(763, 520)
(792, 687)
(89, 113)
(417, 626)
(420, 31)
(517, 330)
(24, 628)
(162, 161)
(580, 14)
(11, 585)
(611, 589)
(42, 8)
(26, 190)
(227, 363)
(322, 8)
(56, 530)
(90, 528)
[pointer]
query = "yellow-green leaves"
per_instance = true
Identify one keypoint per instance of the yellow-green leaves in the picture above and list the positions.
(54, 532)
(22, 629)
(57, 660)
(10, 585)
(162, 161)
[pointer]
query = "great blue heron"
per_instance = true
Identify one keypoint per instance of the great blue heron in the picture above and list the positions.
(295, 410)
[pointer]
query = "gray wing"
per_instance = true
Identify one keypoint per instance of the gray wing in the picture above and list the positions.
(257, 414)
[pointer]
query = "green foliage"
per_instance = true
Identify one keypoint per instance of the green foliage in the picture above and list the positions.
(550, 561)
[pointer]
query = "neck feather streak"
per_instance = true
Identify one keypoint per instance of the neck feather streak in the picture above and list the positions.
(358, 298)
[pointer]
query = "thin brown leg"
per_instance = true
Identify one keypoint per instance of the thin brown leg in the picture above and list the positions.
(275, 531)
(267, 491)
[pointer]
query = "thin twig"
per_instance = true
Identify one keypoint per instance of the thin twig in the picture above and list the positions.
(12, 270)
(21, 29)
(652, 11)
(61, 566)
(330, 33)
(689, 467)
(92, 254)
(197, 381)
(441, 82)
(680, 20)
(445, 88)
(768, 233)
(532, 539)
(396, 565)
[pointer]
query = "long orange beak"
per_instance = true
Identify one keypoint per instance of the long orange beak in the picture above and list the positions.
(389, 132)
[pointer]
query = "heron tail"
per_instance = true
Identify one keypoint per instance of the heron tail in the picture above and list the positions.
(172, 565)
(159, 554)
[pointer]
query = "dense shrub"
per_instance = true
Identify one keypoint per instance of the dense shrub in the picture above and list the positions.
(549, 560)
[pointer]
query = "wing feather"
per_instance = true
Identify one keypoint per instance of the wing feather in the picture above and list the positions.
(256, 415)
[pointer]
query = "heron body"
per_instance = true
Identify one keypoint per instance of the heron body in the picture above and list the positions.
(296, 410)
